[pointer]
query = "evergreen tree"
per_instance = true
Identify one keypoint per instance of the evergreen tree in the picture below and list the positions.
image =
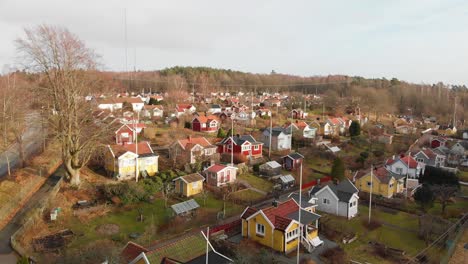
(230, 132)
(221, 133)
(355, 129)
(424, 197)
(338, 169)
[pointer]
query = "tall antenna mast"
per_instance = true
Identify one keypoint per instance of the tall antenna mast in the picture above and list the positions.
(126, 45)
(455, 111)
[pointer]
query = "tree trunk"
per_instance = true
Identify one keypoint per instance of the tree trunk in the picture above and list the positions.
(443, 204)
(22, 157)
(73, 174)
(8, 162)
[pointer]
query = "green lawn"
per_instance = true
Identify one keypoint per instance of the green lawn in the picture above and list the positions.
(463, 176)
(256, 182)
(388, 235)
(155, 212)
(319, 164)
(246, 195)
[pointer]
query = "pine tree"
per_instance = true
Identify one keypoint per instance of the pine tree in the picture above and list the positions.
(338, 169)
(355, 129)
(424, 197)
(221, 133)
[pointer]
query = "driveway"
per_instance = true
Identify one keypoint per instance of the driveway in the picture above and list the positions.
(19, 218)
(32, 143)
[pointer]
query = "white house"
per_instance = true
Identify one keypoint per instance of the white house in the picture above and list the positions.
(338, 199)
(406, 165)
(280, 138)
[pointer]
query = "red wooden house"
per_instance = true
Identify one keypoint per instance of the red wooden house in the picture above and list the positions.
(205, 124)
(245, 145)
(438, 142)
(127, 133)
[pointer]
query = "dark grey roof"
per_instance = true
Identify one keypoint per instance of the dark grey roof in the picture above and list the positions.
(239, 140)
(295, 156)
(278, 130)
(314, 190)
(213, 258)
(306, 217)
(215, 106)
(305, 199)
(464, 144)
(347, 186)
(344, 190)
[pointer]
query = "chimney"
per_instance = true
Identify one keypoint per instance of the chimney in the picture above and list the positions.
(275, 203)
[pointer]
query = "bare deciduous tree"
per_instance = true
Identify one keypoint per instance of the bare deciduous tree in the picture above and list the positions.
(65, 63)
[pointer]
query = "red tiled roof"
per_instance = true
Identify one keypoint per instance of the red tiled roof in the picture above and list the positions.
(132, 250)
(407, 159)
(335, 121)
(281, 223)
(216, 168)
(282, 210)
(183, 107)
(143, 148)
(192, 141)
(250, 211)
(429, 153)
(206, 119)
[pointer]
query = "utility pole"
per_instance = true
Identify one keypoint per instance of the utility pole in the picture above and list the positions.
(271, 132)
(455, 111)
(232, 139)
(300, 209)
(371, 187)
(207, 242)
(136, 144)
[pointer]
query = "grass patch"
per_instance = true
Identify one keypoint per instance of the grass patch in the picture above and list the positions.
(247, 195)
(463, 175)
(404, 228)
(257, 182)
(320, 164)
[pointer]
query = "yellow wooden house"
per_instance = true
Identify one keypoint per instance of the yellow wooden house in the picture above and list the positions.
(189, 185)
(278, 227)
(384, 182)
(122, 161)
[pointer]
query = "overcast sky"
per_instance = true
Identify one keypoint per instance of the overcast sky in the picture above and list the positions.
(415, 40)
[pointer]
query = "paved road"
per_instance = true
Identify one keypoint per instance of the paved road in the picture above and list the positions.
(32, 143)
(17, 221)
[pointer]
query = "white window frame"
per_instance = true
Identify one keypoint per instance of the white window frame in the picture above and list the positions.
(195, 185)
(125, 134)
(256, 147)
(291, 235)
(260, 229)
(369, 184)
(399, 170)
(326, 201)
(420, 160)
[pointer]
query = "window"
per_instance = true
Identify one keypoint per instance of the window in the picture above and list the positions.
(420, 160)
(195, 185)
(326, 201)
(213, 124)
(369, 184)
(293, 234)
(260, 229)
(125, 135)
(203, 125)
(350, 205)
(256, 147)
(354, 203)
(391, 185)
(399, 170)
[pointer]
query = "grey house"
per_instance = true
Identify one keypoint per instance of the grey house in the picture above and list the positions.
(341, 199)
(428, 157)
(280, 138)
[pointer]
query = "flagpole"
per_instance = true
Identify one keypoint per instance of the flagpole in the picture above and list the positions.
(370, 196)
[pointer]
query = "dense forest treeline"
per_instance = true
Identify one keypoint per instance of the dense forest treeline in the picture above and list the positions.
(379, 96)
(375, 96)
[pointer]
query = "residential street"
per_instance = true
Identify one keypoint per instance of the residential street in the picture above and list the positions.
(32, 143)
